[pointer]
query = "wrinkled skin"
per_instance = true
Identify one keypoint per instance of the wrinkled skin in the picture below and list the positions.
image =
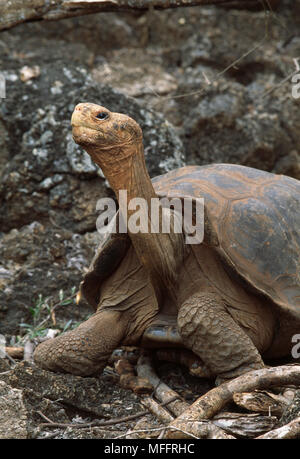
(160, 280)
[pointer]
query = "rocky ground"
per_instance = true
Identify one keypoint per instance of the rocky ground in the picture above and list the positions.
(167, 70)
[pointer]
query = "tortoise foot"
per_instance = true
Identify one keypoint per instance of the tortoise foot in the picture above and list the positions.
(68, 353)
(85, 350)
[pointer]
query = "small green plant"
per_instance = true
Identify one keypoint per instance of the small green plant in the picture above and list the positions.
(43, 315)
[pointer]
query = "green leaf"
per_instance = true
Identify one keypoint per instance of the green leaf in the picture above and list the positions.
(67, 325)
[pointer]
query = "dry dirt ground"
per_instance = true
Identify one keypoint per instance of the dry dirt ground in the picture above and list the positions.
(144, 65)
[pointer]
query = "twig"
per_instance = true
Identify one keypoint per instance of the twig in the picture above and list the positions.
(209, 430)
(213, 401)
(163, 392)
(157, 410)
(209, 82)
(142, 423)
(16, 12)
(161, 435)
(15, 352)
(45, 417)
(290, 430)
(276, 86)
(153, 430)
(199, 92)
(97, 423)
(10, 358)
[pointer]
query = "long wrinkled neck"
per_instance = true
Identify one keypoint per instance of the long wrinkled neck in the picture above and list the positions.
(159, 252)
(129, 173)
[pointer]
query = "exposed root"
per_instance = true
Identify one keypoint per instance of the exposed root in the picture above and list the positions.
(261, 402)
(129, 380)
(213, 401)
(15, 352)
(157, 410)
(245, 425)
(163, 392)
(290, 430)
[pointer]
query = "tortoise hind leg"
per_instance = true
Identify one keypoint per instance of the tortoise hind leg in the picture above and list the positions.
(85, 350)
(209, 331)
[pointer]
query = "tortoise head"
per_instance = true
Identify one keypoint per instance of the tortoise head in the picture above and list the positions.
(108, 137)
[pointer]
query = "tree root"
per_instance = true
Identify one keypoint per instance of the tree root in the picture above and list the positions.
(14, 352)
(165, 394)
(129, 380)
(213, 401)
(290, 430)
(261, 402)
(157, 410)
(244, 425)
(161, 390)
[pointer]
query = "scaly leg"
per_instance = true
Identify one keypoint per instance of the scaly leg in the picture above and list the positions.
(209, 331)
(85, 350)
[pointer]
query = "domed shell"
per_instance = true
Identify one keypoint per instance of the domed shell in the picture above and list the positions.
(255, 216)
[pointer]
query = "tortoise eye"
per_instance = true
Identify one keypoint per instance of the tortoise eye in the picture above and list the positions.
(102, 116)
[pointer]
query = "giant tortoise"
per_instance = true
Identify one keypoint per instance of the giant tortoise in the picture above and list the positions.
(232, 299)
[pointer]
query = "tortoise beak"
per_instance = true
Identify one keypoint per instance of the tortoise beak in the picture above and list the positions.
(77, 116)
(83, 130)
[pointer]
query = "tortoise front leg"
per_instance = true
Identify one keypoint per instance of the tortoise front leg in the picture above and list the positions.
(85, 350)
(209, 331)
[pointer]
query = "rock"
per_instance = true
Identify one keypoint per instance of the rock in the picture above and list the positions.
(135, 74)
(13, 414)
(49, 177)
(227, 126)
(230, 117)
(86, 394)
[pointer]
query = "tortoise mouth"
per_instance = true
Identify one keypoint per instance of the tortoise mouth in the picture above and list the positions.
(85, 135)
